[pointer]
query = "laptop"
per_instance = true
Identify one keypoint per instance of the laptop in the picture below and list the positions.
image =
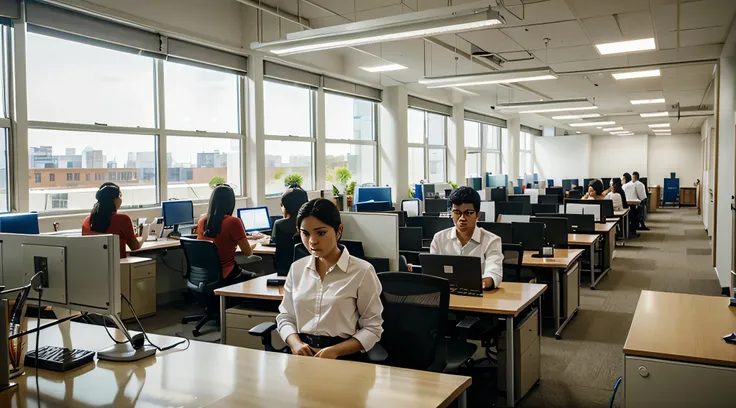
(463, 272)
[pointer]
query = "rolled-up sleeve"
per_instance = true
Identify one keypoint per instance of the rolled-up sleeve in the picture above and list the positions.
(493, 267)
(370, 308)
(286, 320)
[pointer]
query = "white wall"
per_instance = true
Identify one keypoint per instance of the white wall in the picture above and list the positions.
(707, 135)
(612, 156)
(562, 157)
(725, 182)
(676, 153)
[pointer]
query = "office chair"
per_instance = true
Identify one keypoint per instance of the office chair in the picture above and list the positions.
(575, 193)
(274, 218)
(300, 251)
(284, 255)
(513, 256)
(204, 275)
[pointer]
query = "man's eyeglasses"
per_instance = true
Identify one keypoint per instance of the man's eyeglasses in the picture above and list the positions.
(466, 213)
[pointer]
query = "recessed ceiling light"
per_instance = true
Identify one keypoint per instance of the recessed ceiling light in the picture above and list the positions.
(659, 125)
(496, 77)
(581, 116)
(646, 101)
(626, 134)
(599, 127)
(578, 132)
(620, 47)
(620, 132)
(581, 124)
(612, 129)
(637, 74)
(654, 114)
(384, 68)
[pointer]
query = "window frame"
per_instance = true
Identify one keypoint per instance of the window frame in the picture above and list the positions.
(527, 151)
(426, 146)
(484, 132)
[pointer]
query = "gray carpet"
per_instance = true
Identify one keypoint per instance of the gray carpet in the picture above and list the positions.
(580, 370)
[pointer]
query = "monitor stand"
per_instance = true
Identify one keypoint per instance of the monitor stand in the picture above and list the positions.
(128, 351)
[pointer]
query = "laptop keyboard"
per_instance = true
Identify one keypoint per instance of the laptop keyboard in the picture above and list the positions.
(466, 292)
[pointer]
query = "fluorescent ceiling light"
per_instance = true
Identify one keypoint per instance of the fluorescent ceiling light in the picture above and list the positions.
(581, 116)
(408, 26)
(659, 125)
(384, 68)
(620, 47)
(637, 74)
(620, 132)
(654, 114)
(582, 108)
(581, 124)
(646, 101)
(496, 77)
(542, 106)
(626, 134)
(464, 91)
(578, 132)
(613, 128)
(599, 127)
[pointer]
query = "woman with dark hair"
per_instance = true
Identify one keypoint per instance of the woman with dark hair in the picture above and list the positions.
(284, 233)
(616, 193)
(104, 219)
(595, 191)
(227, 232)
(332, 306)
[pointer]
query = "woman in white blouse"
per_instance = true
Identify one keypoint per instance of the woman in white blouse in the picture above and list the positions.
(331, 306)
(616, 193)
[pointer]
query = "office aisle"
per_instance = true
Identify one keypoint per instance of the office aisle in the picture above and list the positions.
(580, 370)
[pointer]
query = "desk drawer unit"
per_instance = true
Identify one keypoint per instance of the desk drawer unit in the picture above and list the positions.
(527, 360)
(240, 320)
(571, 287)
(138, 284)
(653, 383)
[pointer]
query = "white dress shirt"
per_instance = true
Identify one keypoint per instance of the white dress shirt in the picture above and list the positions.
(482, 244)
(346, 304)
(618, 204)
(635, 190)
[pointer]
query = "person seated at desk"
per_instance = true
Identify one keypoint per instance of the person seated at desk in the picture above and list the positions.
(617, 194)
(633, 192)
(331, 306)
(467, 239)
(227, 232)
(104, 219)
(284, 234)
(595, 191)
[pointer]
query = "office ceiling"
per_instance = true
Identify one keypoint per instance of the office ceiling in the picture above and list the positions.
(689, 36)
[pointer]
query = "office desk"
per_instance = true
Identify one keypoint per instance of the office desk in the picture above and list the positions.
(588, 241)
(507, 301)
(608, 230)
(166, 243)
(623, 215)
(655, 197)
(688, 196)
(223, 376)
(564, 265)
(674, 354)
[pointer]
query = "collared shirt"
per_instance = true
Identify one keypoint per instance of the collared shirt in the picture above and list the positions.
(617, 202)
(635, 190)
(482, 244)
(346, 304)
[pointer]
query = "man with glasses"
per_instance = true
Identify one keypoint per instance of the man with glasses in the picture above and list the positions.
(466, 239)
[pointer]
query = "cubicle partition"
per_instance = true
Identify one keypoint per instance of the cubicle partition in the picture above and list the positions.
(379, 233)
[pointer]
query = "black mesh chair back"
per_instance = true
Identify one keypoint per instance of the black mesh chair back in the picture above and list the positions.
(415, 311)
(284, 255)
(274, 218)
(204, 270)
(410, 239)
(575, 194)
(513, 256)
(300, 251)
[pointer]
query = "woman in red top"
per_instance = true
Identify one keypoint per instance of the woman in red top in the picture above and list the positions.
(104, 219)
(227, 232)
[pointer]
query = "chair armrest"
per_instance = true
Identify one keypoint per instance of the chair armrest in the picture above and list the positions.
(465, 326)
(252, 259)
(377, 354)
(263, 329)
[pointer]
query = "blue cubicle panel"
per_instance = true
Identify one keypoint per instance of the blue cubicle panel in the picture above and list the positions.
(535, 178)
(671, 191)
(19, 223)
(500, 180)
(364, 194)
(550, 182)
(476, 183)
(373, 206)
(418, 192)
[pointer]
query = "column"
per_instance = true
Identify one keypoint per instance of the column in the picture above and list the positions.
(456, 145)
(393, 143)
(18, 105)
(512, 157)
(256, 163)
(724, 183)
(319, 146)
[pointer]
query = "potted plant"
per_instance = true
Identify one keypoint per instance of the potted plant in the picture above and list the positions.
(293, 179)
(350, 192)
(216, 181)
(343, 176)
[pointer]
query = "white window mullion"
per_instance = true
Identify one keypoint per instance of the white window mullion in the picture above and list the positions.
(162, 167)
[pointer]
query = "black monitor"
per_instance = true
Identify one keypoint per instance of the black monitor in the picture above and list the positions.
(644, 181)
(410, 238)
(586, 183)
(509, 208)
(354, 247)
(499, 194)
(606, 206)
(429, 225)
(575, 194)
(549, 199)
(558, 191)
(567, 184)
(555, 229)
(463, 272)
(529, 235)
(502, 229)
(435, 205)
(545, 209)
(577, 223)
(520, 198)
(606, 181)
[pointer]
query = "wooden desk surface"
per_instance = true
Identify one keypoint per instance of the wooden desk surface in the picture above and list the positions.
(687, 187)
(621, 213)
(633, 202)
(563, 259)
(607, 227)
(130, 260)
(682, 327)
(509, 299)
(165, 243)
(582, 239)
(224, 376)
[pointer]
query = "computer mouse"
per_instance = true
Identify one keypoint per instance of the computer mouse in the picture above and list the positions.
(731, 338)
(137, 341)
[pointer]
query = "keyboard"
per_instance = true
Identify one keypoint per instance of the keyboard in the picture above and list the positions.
(58, 358)
(466, 292)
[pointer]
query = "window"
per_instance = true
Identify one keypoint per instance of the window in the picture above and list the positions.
(428, 143)
(105, 152)
(351, 138)
(482, 142)
(289, 128)
(194, 163)
(37, 178)
(86, 177)
(60, 201)
(526, 145)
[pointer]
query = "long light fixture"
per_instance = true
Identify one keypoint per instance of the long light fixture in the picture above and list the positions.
(581, 116)
(582, 108)
(646, 101)
(542, 106)
(654, 114)
(620, 47)
(626, 134)
(496, 77)
(613, 129)
(637, 74)
(384, 68)
(444, 20)
(581, 124)
(659, 125)
(619, 132)
(465, 91)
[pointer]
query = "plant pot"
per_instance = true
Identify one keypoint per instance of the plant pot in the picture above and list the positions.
(338, 202)
(350, 201)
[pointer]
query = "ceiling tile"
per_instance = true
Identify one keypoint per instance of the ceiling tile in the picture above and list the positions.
(665, 17)
(567, 54)
(594, 8)
(562, 34)
(537, 13)
(602, 29)
(703, 36)
(636, 25)
(666, 40)
(492, 40)
(706, 13)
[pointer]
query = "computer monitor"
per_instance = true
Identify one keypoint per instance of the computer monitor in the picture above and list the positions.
(606, 206)
(509, 208)
(410, 239)
(548, 199)
(606, 182)
(587, 181)
(180, 212)
(19, 223)
(544, 208)
(555, 229)
(435, 205)
(567, 184)
(411, 207)
(529, 235)
(558, 191)
(428, 190)
(499, 194)
(500, 229)
(575, 193)
(354, 247)
(462, 271)
(255, 219)
(577, 223)
(644, 181)
(506, 218)
(520, 199)
(373, 206)
(429, 225)
(365, 194)
(575, 208)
